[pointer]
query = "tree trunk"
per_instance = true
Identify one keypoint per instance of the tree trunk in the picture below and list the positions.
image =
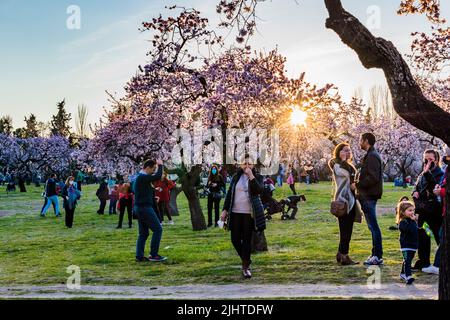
(188, 186)
(259, 242)
(22, 186)
(444, 272)
(173, 207)
(407, 97)
(404, 175)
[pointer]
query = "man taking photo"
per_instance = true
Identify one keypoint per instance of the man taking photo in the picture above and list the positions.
(145, 207)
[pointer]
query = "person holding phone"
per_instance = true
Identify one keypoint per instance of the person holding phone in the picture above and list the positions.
(343, 170)
(146, 209)
(243, 211)
(428, 206)
(441, 192)
(70, 195)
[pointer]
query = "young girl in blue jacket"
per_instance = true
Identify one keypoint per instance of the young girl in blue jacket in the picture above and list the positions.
(409, 241)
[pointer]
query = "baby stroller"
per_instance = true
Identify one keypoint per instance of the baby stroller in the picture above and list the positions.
(291, 203)
(287, 207)
(271, 206)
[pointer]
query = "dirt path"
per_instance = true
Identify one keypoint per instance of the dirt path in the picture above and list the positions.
(232, 291)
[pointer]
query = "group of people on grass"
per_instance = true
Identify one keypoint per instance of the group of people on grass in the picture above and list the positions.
(120, 197)
(243, 212)
(70, 193)
(429, 203)
(306, 174)
(417, 220)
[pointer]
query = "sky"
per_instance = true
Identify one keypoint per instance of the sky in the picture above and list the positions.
(42, 61)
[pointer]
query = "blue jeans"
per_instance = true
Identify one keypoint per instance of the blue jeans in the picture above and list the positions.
(112, 206)
(148, 219)
(369, 208)
(54, 200)
(280, 180)
(408, 257)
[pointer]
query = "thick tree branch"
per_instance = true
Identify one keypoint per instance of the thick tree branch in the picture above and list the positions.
(408, 99)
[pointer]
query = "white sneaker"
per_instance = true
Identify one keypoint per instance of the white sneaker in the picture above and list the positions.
(374, 261)
(403, 277)
(171, 222)
(431, 269)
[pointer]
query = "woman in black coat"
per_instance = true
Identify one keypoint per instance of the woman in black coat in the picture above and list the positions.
(102, 195)
(216, 186)
(243, 212)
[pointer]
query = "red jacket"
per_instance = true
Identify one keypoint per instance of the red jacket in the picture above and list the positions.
(128, 196)
(443, 195)
(166, 186)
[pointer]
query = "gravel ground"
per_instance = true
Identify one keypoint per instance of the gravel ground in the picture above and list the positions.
(232, 291)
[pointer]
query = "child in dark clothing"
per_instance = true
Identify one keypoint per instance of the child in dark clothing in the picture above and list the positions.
(409, 241)
(113, 198)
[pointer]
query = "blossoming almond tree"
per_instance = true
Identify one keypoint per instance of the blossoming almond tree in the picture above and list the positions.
(176, 90)
(24, 158)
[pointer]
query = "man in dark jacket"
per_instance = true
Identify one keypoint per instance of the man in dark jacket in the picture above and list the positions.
(144, 207)
(428, 206)
(103, 196)
(369, 185)
(51, 195)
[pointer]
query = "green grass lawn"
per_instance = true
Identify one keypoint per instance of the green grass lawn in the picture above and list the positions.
(37, 251)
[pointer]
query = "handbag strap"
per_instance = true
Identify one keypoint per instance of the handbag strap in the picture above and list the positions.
(335, 188)
(333, 184)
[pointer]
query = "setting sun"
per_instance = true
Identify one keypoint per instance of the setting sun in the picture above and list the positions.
(298, 117)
